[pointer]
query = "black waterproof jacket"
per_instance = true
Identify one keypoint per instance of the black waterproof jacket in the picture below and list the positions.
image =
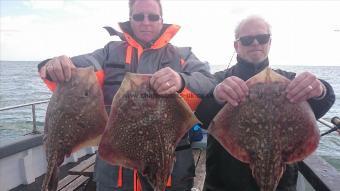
(223, 171)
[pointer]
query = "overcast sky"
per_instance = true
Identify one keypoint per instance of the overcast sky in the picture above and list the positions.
(304, 32)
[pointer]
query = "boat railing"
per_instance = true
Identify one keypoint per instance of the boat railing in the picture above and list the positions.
(32, 104)
(319, 173)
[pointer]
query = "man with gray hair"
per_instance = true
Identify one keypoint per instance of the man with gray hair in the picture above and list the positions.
(252, 45)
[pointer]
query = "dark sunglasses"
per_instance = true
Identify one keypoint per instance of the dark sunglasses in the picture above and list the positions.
(140, 17)
(248, 40)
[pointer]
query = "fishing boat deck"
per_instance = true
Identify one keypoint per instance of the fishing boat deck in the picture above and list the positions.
(38, 181)
(199, 156)
(316, 171)
(83, 167)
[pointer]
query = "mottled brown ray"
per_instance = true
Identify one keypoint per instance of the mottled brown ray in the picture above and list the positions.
(267, 131)
(144, 129)
(75, 118)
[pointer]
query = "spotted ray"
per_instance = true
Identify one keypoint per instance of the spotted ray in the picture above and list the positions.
(267, 131)
(144, 129)
(75, 118)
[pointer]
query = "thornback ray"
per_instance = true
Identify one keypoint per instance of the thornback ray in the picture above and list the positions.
(144, 129)
(75, 118)
(267, 130)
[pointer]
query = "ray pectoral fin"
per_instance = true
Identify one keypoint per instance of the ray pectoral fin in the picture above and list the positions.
(188, 118)
(89, 143)
(230, 144)
(303, 150)
(222, 130)
(307, 136)
(185, 127)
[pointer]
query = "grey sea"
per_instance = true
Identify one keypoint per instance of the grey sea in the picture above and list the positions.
(20, 84)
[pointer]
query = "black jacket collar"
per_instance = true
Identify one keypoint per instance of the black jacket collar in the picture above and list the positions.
(251, 66)
(246, 70)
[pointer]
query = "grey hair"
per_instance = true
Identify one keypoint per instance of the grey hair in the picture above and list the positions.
(132, 2)
(251, 18)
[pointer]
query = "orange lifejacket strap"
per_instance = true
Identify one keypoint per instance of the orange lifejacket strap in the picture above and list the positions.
(168, 184)
(136, 182)
(190, 98)
(100, 77)
(132, 42)
(50, 84)
(128, 56)
(120, 177)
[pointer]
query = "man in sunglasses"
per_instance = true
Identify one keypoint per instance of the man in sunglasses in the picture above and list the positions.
(252, 45)
(144, 48)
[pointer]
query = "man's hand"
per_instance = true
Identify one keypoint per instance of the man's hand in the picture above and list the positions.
(59, 69)
(232, 90)
(304, 87)
(166, 81)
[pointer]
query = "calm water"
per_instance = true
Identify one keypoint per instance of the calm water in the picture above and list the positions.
(20, 83)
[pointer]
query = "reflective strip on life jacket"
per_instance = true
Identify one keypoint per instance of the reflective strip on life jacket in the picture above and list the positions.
(190, 98)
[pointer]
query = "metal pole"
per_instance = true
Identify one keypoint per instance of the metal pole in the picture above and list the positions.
(22, 105)
(326, 123)
(34, 131)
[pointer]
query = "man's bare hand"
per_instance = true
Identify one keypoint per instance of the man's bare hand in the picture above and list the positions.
(166, 81)
(304, 87)
(59, 69)
(232, 90)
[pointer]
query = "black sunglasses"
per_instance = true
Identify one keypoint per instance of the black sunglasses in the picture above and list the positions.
(140, 17)
(248, 40)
